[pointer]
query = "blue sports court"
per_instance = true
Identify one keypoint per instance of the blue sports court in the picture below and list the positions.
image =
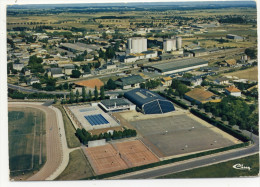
(96, 119)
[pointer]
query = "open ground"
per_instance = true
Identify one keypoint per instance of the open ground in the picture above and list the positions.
(53, 143)
(27, 141)
(250, 74)
(180, 134)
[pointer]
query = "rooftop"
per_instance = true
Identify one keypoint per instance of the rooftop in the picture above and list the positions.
(110, 103)
(199, 94)
(91, 83)
(232, 89)
(178, 64)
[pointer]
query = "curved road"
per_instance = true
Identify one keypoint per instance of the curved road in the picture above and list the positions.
(193, 163)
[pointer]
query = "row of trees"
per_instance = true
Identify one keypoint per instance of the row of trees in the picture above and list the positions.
(179, 88)
(150, 84)
(84, 136)
(76, 98)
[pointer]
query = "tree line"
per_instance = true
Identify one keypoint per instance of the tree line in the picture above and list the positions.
(84, 136)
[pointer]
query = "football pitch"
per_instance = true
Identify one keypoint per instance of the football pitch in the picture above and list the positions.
(27, 140)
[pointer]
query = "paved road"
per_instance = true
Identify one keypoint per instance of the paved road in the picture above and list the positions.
(194, 163)
(30, 90)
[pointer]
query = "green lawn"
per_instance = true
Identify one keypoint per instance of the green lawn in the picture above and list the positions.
(221, 170)
(27, 146)
(77, 168)
(72, 140)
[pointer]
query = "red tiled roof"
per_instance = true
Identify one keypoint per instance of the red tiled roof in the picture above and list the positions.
(91, 83)
(199, 94)
(232, 89)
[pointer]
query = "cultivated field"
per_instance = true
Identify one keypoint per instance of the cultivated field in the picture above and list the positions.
(27, 141)
(250, 74)
(180, 134)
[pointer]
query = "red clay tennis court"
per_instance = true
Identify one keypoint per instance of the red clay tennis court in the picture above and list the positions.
(104, 159)
(135, 153)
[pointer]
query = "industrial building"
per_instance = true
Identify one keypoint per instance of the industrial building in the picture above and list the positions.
(172, 44)
(201, 96)
(234, 37)
(116, 105)
(149, 102)
(137, 45)
(130, 82)
(79, 47)
(176, 66)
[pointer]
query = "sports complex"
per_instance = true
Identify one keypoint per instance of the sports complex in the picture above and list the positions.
(164, 131)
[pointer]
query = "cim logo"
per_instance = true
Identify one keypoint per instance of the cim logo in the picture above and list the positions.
(241, 167)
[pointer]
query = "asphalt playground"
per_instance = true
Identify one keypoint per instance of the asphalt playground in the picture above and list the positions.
(179, 134)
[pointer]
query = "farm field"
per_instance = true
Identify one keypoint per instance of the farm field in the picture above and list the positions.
(250, 74)
(27, 140)
(77, 168)
(221, 170)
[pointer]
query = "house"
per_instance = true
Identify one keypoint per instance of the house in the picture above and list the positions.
(166, 81)
(67, 69)
(232, 90)
(230, 62)
(221, 81)
(18, 66)
(32, 81)
(26, 71)
(193, 81)
(89, 85)
(55, 72)
(130, 82)
(201, 96)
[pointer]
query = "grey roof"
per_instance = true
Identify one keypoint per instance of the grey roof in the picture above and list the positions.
(69, 67)
(178, 64)
(55, 71)
(130, 80)
(118, 102)
(201, 50)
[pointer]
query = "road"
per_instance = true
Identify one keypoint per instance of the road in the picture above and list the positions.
(30, 90)
(193, 163)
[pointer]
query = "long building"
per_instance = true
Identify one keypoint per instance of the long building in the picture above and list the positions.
(149, 102)
(176, 66)
(137, 45)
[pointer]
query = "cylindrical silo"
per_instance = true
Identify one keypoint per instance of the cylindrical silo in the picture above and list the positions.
(178, 42)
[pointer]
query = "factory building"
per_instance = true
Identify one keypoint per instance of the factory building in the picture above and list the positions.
(137, 45)
(234, 37)
(149, 102)
(172, 44)
(176, 66)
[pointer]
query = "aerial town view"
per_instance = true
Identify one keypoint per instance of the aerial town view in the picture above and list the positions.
(132, 91)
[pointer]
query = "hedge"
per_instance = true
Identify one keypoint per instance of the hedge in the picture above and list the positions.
(164, 162)
(220, 125)
(180, 103)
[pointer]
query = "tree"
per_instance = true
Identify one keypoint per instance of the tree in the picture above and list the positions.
(102, 92)
(96, 93)
(71, 96)
(37, 86)
(251, 52)
(66, 86)
(90, 95)
(75, 74)
(111, 85)
(77, 96)
(83, 94)
(142, 85)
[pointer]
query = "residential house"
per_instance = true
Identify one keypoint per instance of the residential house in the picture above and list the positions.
(18, 66)
(221, 81)
(55, 72)
(232, 90)
(32, 80)
(201, 96)
(166, 81)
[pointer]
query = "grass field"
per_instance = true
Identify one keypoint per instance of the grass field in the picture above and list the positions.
(221, 170)
(27, 140)
(251, 74)
(72, 140)
(77, 168)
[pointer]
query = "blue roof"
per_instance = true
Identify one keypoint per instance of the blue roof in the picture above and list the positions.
(150, 102)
